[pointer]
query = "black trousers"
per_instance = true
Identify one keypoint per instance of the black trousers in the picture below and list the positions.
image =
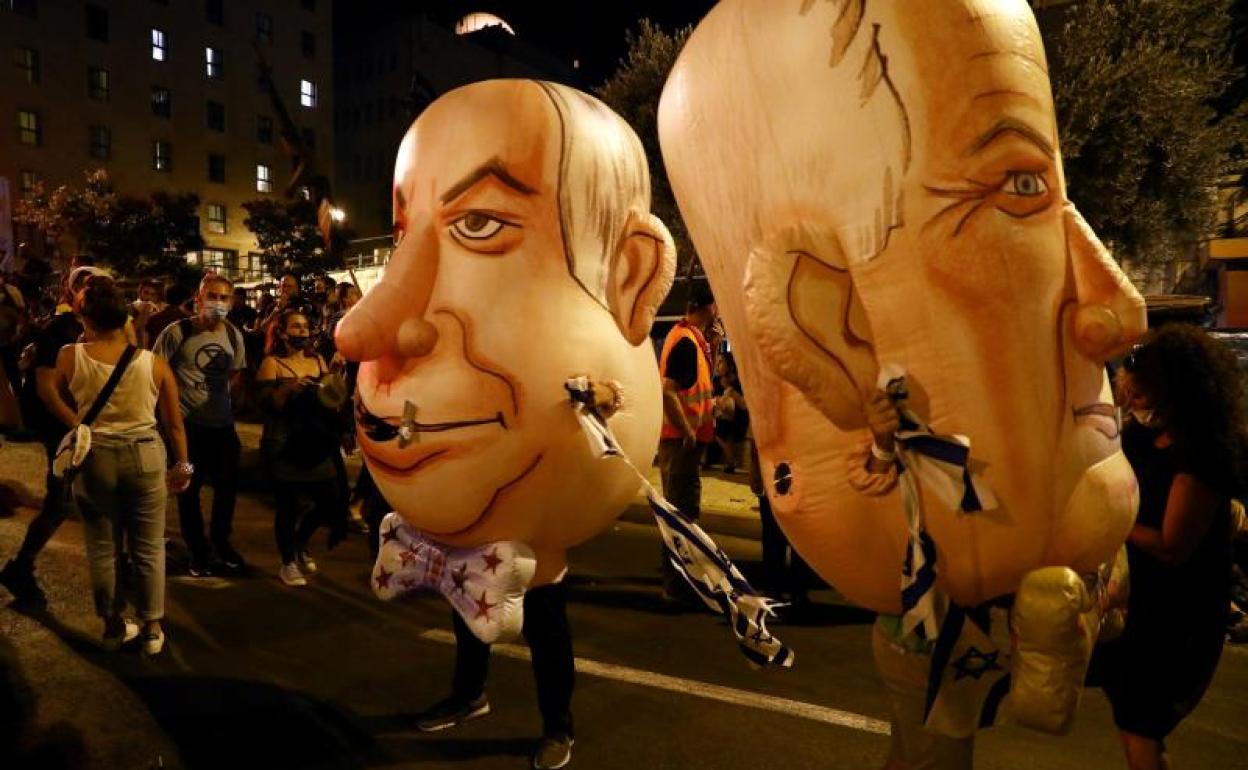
(291, 532)
(373, 508)
(550, 642)
(56, 507)
(214, 453)
(784, 569)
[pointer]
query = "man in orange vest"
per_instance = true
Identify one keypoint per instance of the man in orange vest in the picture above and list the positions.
(688, 423)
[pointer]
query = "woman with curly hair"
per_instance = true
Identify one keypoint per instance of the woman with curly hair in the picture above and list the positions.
(1185, 438)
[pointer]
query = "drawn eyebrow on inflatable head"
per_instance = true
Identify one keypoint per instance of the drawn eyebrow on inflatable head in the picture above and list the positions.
(492, 168)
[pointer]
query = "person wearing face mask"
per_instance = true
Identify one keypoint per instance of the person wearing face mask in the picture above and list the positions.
(1186, 441)
(207, 354)
(304, 407)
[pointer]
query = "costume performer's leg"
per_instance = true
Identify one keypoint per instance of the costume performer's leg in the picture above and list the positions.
(549, 636)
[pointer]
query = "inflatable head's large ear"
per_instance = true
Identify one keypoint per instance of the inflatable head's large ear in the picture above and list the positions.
(641, 275)
(808, 320)
(873, 184)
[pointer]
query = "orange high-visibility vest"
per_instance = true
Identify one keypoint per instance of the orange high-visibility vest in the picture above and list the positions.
(696, 402)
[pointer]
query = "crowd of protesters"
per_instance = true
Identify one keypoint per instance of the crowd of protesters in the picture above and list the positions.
(173, 368)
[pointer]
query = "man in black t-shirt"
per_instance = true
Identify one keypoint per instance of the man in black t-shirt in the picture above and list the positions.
(38, 392)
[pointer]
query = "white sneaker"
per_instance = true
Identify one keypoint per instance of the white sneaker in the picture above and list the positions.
(291, 576)
(306, 564)
(154, 642)
(113, 641)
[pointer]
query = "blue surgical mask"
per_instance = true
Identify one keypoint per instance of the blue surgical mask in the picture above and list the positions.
(216, 309)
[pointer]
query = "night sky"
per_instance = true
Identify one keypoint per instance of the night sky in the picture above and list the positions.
(589, 30)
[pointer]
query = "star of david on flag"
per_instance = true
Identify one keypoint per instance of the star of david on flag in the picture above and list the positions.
(702, 563)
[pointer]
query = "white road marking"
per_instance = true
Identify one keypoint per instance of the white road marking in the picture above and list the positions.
(692, 687)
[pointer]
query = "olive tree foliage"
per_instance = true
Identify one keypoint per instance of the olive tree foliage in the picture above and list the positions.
(633, 91)
(1146, 129)
(286, 231)
(134, 235)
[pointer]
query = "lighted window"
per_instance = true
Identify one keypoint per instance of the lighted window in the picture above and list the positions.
(307, 93)
(162, 101)
(264, 129)
(216, 168)
(100, 142)
(29, 129)
(97, 84)
(212, 60)
(162, 155)
(27, 62)
(158, 45)
(28, 180)
(264, 178)
(216, 116)
(264, 28)
(218, 260)
(216, 218)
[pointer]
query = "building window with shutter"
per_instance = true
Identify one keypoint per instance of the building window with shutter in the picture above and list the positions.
(216, 116)
(158, 45)
(29, 128)
(309, 45)
(97, 84)
(100, 142)
(27, 62)
(213, 62)
(162, 102)
(162, 155)
(264, 28)
(264, 178)
(97, 23)
(216, 168)
(27, 181)
(264, 129)
(216, 218)
(307, 93)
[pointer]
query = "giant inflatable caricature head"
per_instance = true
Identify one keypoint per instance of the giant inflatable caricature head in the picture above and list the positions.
(883, 179)
(527, 255)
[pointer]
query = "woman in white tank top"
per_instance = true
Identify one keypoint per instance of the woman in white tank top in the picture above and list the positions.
(123, 482)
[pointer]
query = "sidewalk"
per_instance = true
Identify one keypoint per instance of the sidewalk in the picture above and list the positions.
(728, 506)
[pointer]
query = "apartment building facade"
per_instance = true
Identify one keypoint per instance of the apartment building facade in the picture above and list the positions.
(166, 95)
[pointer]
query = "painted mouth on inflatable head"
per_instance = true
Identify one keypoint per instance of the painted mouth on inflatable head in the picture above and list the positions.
(381, 429)
(1105, 418)
(392, 434)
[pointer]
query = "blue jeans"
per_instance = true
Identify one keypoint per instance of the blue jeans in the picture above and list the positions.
(121, 491)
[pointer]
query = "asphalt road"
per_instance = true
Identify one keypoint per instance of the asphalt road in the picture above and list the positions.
(258, 675)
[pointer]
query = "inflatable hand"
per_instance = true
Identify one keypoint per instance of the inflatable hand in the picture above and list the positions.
(1057, 619)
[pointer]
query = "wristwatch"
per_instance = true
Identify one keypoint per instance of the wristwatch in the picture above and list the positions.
(186, 468)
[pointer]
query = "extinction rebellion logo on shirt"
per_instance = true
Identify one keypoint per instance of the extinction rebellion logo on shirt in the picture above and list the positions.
(213, 361)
